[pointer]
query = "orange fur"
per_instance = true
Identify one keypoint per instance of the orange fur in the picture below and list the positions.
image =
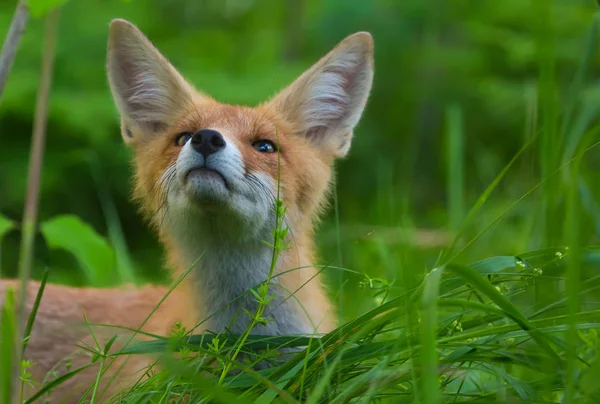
(311, 122)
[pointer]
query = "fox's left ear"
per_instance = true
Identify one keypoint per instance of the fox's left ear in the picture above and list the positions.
(326, 102)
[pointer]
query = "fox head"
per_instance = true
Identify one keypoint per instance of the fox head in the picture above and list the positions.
(203, 163)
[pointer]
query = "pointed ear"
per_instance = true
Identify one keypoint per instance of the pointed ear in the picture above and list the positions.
(149, 93)
(326, 102)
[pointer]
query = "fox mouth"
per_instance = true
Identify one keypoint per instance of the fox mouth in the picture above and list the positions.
(202, 174)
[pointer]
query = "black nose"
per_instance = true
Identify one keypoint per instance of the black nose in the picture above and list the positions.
(207, 141)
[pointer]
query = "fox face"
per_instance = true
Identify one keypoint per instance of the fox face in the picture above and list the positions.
(218, 165)
(198, 160)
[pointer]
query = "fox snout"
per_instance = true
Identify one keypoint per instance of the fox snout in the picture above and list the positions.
(202, 165)
(213, 180)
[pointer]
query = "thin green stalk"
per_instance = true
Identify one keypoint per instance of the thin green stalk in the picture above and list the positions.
(279, 244)
(573, 283)
(138, 330)
(34, 310)
(97, 381)
(514, 204)
(6, 226)
(8, 344)
(36, 158)
(125, 266)
(551, 140)
(550, 136)
(428, 355)
(483, 198)
(455, 162)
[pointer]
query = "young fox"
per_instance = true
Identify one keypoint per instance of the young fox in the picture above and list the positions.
(207, 177)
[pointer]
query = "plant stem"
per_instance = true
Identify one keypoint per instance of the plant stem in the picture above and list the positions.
(11, 43)
(279, 236)
(36, 159)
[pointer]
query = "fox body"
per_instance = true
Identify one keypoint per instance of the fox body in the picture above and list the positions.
(208, 177)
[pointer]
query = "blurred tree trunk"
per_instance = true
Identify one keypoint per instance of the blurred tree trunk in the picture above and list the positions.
(293, 33)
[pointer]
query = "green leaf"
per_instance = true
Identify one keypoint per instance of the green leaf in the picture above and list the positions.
(34, 310)
(495, 264)
(109, 344)
(39, 8)
(6, 225)
(202, 342)
(91, 250)
(487, 266)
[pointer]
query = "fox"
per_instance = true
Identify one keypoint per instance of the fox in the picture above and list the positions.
(207, 177)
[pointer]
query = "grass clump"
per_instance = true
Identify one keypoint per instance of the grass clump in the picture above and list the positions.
(469, 342)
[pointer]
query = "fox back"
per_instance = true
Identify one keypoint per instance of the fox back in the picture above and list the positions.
(214, 180)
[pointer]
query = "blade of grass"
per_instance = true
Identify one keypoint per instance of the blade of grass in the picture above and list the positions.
(482, 285)
(34, 310)
(160, 302)
(36, 158)
(125, 265)
(6, 225)
(578, 83)
(573, 286)
(357, 333)
(8, 344)
(455, 164)
(428, 354)
(512, 206)
(54, 383)
(215, 391)
(479, 204)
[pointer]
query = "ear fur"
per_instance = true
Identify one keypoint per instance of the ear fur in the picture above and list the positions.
(149, 93)
(326, 102)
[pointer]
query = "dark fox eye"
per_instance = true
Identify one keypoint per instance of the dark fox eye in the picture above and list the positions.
(183, 138)
(264, 146)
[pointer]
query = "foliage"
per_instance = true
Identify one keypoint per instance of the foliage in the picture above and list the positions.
(91, 250)
(5, 226)
(485, 347)
(38, 8)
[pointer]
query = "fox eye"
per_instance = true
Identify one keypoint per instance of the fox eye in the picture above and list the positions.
(264, 146)
(183, 138)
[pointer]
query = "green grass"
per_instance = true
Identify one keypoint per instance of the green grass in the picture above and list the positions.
(468, 326)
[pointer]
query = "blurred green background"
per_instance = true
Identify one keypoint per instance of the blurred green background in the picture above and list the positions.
(456, 94)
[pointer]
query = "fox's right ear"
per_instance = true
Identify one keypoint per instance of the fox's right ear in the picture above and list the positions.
(326, 102)
(149, 93)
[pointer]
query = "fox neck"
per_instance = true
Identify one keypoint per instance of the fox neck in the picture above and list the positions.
(225, 268)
